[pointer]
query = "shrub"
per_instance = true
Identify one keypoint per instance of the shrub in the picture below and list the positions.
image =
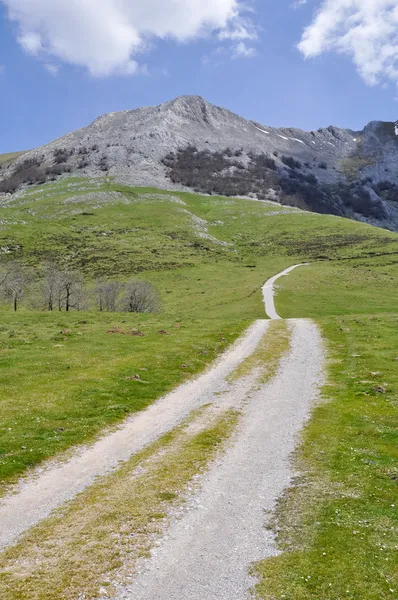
(140, 297)
(62, 155)
(211, 173)
(27, 172)
(103, 164)
(323, 165)
(58, 169)
(291, 162)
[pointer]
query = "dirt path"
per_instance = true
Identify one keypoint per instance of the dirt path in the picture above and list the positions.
(37, 496)
(207, 553)
(269, 292)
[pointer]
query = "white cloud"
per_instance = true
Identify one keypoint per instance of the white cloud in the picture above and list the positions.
(105, 36)
(31, 42)
(299, 3)
(241, 50)
(239, 29)
(365, 30)
(52, 69)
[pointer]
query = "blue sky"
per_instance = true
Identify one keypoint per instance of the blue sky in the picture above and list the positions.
(62, 66)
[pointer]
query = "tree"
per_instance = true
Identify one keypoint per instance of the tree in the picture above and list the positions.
(3, 277)
(51, 289)
(14, 282)
(140, 297)
(71, 294)
(107, 293)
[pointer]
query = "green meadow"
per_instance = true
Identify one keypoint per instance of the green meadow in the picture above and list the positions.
(67, 377)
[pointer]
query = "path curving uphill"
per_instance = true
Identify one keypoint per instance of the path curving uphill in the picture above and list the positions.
(208, 549)
(208, 552)
(269, 291)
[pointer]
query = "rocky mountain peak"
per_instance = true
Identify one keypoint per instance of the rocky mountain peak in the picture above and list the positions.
(147, 146)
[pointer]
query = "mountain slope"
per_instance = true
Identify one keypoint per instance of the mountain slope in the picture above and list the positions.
(332, 170)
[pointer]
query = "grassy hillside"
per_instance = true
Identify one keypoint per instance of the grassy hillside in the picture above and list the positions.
(64, 377)
(338, 524)
(8, 158)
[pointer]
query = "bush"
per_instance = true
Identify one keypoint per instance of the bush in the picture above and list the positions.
(140, 297)
(58, 169)
(387, 190)
(323, 165)
(62, 155)
(27, 172)
(103, 164)
(211, 173)
(291, 162)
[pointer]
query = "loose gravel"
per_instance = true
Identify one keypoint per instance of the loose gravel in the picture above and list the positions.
(207, 553)
(269, 292)
(209, 547)
(35, 497)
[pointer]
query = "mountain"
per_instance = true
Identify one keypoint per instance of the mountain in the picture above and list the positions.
(190, 143)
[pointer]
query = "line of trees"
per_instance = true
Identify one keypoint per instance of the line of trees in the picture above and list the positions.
(56, 289)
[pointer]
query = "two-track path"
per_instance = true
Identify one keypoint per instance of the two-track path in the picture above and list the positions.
(207, 552)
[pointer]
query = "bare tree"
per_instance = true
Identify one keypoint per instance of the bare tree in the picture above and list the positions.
(14, 283)
(140, 297)
(3, 277)
(52, 283)
(107, 293)
(71, 293)
(99, 293)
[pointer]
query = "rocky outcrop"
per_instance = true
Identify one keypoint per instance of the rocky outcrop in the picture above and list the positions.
(132, 145)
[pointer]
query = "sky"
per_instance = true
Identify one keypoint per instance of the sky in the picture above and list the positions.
(297, 63)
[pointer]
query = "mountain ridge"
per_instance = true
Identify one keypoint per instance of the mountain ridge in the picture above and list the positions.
(334, 170)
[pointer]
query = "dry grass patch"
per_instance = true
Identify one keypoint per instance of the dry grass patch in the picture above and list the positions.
(98, 537)
(268, 354)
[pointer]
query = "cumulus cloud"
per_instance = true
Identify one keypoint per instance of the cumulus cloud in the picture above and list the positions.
(365, 30)
(105, 36)
(241, 50)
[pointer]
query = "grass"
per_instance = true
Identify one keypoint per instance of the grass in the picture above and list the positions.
(208, 256)
(362, 286)
(338, 526)
(351, 166)
(10, 157)
(61, 389)
(107, 528)
(265, 360)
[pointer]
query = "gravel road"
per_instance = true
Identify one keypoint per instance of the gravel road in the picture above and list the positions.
(36, 496)
(206, 553)
(269, 292)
